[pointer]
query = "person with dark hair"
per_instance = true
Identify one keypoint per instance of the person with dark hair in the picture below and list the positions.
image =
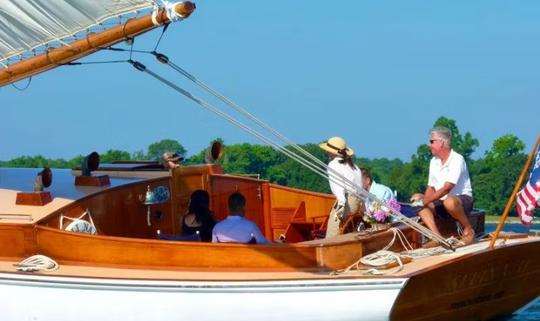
(236, 228)
(199, 217)
(344, 177)
(449, 190)
(382, 192)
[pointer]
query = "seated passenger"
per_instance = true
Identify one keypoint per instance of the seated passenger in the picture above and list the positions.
(382, 192)
(199, 217)
(449, 190)
(235, 228)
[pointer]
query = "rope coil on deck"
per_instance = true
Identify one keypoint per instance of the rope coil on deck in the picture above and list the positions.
(384, 258)
(37, 263)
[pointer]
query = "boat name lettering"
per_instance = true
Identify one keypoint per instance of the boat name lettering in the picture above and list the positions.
(477, 300)
(490, 274)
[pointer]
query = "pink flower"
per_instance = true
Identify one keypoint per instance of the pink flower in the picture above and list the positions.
(394, 204)
(380, 216)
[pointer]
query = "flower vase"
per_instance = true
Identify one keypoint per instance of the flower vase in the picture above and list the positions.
(377, 227)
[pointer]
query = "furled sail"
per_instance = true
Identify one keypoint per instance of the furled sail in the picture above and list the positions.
(28, 24)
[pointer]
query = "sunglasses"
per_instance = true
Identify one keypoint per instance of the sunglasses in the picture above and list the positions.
(431, 141)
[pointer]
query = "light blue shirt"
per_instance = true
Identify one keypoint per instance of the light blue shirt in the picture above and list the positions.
(237, 229)
(382, 192)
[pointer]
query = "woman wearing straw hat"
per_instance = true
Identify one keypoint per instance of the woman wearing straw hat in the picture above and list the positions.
(341, 173)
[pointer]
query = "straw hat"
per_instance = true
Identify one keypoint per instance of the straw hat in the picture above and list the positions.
(337, 146)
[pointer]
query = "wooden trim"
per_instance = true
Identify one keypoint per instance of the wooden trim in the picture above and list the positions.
(301, 191)
(267, 209)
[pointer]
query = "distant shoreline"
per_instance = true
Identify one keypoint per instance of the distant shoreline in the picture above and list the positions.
(510, 222)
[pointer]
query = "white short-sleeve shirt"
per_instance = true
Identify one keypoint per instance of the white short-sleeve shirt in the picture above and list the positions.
(453, 171)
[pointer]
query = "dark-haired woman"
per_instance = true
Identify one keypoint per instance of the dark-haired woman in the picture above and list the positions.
(199, 217)
(344, 177)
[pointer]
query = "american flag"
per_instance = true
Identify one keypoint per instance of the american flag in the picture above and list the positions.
(529, 197)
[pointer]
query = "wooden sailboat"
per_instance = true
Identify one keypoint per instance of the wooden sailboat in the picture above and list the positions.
(120, 269)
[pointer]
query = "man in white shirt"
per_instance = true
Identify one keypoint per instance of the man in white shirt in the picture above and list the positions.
(449, 190)
(236, 228)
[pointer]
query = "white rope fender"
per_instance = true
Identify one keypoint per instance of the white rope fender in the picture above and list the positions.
(37, 263)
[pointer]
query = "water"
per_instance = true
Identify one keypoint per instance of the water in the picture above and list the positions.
(532, 311)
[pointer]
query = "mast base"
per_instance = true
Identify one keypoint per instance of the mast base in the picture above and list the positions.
(33, 198)
(101, 180)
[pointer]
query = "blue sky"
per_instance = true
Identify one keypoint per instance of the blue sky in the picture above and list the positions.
(377, 73)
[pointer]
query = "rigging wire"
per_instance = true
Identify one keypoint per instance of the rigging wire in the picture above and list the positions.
(78, 63)
(357, 190)
(312, 163)
(165, 27)
(22, 88)
(308, 160)
(316, 167)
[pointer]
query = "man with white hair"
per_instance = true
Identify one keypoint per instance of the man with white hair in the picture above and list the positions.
(449, 191)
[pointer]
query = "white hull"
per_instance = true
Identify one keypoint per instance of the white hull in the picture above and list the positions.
(67, 298)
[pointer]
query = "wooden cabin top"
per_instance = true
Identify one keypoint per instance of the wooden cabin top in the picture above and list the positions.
(63, 191)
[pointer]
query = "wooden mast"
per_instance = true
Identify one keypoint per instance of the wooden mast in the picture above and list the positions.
(514, 193)
(93, 42)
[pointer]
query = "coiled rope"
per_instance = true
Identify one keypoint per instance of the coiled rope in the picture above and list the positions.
(383, 258)
(37, 263)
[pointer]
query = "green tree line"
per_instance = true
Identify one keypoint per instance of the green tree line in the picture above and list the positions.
(493, 175)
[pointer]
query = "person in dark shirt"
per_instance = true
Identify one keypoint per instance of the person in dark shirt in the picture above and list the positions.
(199, 217)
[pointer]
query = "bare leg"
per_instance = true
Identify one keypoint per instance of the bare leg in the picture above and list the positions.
(428, 217)
(455, 209)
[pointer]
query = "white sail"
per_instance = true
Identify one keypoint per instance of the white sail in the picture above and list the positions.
(28, 24)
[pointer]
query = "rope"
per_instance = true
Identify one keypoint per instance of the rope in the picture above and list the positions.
(382, 257)
(385, 257)
(312, 163)
(37, 263)
(22, 88)
(421, 252)
(317, 165)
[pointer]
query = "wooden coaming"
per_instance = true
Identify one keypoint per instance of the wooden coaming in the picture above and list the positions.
(119, 211)
(332, 254)
(17, 240)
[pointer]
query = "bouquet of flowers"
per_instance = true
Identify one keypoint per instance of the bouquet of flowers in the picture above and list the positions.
(377, 212)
